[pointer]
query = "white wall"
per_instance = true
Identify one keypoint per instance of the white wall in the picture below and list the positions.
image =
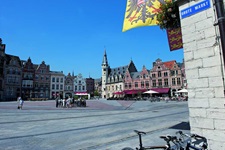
(204, 73)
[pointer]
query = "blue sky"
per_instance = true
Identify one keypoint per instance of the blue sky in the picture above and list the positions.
(71, 35)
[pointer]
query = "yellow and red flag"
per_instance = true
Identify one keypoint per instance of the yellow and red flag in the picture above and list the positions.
(141, 13)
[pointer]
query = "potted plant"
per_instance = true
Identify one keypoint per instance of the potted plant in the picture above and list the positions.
(168, 15)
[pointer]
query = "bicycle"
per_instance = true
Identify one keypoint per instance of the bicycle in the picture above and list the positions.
(167, 146)
(199, 143)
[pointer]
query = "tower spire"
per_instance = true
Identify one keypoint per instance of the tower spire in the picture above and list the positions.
(105, 61)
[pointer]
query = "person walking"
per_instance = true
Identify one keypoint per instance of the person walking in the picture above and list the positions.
(20, 101)
(57, 102)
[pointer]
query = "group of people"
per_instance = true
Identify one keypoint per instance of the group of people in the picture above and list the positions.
(70, 102)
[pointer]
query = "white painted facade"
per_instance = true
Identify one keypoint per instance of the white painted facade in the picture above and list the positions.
(79, 83)
(204, 74)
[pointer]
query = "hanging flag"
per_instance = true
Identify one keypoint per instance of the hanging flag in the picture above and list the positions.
(174, 38)
(141, 13)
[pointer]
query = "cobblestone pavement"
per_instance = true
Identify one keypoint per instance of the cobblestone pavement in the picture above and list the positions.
(102, 125)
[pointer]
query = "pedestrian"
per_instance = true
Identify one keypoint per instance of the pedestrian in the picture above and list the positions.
(20, 101)
(57, 102)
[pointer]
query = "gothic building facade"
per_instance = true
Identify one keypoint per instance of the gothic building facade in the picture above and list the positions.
(166, 78)
(42, 81)
(12, 77)
(113, 78)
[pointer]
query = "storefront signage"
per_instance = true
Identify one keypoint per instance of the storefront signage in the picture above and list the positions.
(195, 9)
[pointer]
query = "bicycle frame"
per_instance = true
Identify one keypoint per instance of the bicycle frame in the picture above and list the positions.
(163, 147)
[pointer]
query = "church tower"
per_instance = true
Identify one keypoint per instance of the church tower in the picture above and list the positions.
(105, 69)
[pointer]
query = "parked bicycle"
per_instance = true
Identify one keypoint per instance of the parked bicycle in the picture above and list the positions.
(166, 138)
(181, 142)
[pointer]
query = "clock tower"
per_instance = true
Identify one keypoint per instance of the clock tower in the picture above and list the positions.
(105, 69)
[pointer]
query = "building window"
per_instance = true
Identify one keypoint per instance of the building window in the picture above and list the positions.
(142, 84)
(147, 84)
(129, 85)
(153, 75)
(154, 83)
(57, 87)
(126, 85)
(61, 80)
(166, 82)
(172, 73)
(165, 74)
(173, 81)
(178, 81)
(144, 76)
(53, 86)
(136, 84)
(159, 74)
(57, 80)
(61, 87)
(160, 82)
(83, 88)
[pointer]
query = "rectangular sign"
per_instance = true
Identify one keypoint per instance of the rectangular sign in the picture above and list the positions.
(195, 9)
(175, 39)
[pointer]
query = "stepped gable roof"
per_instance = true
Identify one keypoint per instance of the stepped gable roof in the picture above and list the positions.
(118, 71)
(170, 64)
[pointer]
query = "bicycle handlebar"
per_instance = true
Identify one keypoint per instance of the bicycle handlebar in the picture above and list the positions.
(195, 136)
(198, 137)
(168, 138)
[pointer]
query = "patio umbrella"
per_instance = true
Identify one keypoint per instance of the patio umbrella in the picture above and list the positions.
(183, 91)
(150, 92)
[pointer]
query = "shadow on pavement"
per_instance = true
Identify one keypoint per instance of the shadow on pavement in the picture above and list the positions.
(181, 126)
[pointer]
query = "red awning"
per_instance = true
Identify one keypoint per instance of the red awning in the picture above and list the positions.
(118, 93)
(134, 91)
(161, 90)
